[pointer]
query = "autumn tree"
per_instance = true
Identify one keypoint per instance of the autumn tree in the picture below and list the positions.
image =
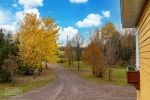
(110, 40)
(69, 52)
(49, 39)
(93, 56)
(37, 41)
(117, 46)
(77, 43)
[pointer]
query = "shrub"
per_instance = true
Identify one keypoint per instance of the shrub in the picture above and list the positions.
(7, 70)
(99, 70)
(24, 70)
(5, 76)
(123, 64)
(131, 67)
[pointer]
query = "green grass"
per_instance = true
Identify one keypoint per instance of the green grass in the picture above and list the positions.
(118, 74)
(27, 83)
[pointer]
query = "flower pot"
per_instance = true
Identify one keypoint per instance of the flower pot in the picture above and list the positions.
(133, 77)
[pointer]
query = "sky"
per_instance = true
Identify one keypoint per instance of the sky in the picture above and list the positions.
(71, 16)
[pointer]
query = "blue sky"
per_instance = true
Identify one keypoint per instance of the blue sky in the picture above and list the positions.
(72, 16)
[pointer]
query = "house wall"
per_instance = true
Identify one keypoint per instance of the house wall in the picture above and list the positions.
(144, 49)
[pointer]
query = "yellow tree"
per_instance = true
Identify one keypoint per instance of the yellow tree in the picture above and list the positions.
(49, 38)
(93, 56)
(37, 40)
(110, 39)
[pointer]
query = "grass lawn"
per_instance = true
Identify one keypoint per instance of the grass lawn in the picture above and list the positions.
(27, 83)
(118, 74)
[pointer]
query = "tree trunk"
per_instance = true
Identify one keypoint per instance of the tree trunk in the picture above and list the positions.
(110, 74)
(69, 62)
(93, 70)
(46, 65)
(72, 60)
(35, 73)
(100, 74)
(39, 71)
(61, 61)
(13, 78)
(78, 64)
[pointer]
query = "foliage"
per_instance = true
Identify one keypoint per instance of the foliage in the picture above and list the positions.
(69, 52)
(7, 70)
(7, 46)
(131, 67)
(127, 47)
(110, 39)
(93, 56)
(8, 51)
(108, 30)
(37, 41)
(77, 43)
(25, 70)
(117, 47)
(5, 76)
(27, 83)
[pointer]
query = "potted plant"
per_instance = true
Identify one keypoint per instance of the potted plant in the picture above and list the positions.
(133, 76)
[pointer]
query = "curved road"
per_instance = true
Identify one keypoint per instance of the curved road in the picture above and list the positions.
(69, 86)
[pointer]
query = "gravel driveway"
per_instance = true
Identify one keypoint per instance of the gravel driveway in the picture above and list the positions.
(69, 86)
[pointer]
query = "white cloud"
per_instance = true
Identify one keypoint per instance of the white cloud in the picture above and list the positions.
(6, 21)
(78, 1)
(11, 23)
(33, 10)
(31, 3)
(69, 32)
(30, 6)
(106, 14)
(19, 15)
(14, 5)
(9, 28)
(90, 21)
(5, 17)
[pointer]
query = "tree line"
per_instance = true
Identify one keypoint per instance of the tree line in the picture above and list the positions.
(108, 48)
(29, 50)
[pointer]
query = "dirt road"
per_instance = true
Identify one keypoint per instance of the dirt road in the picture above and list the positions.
(69, 86)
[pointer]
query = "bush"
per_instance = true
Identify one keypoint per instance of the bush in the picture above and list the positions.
(131, 67)
(5, 76)
(24, 70)
(7, 69)
(99, 71)
(123, 64)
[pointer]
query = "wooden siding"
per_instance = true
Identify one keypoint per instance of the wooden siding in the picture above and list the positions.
(144, 49)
